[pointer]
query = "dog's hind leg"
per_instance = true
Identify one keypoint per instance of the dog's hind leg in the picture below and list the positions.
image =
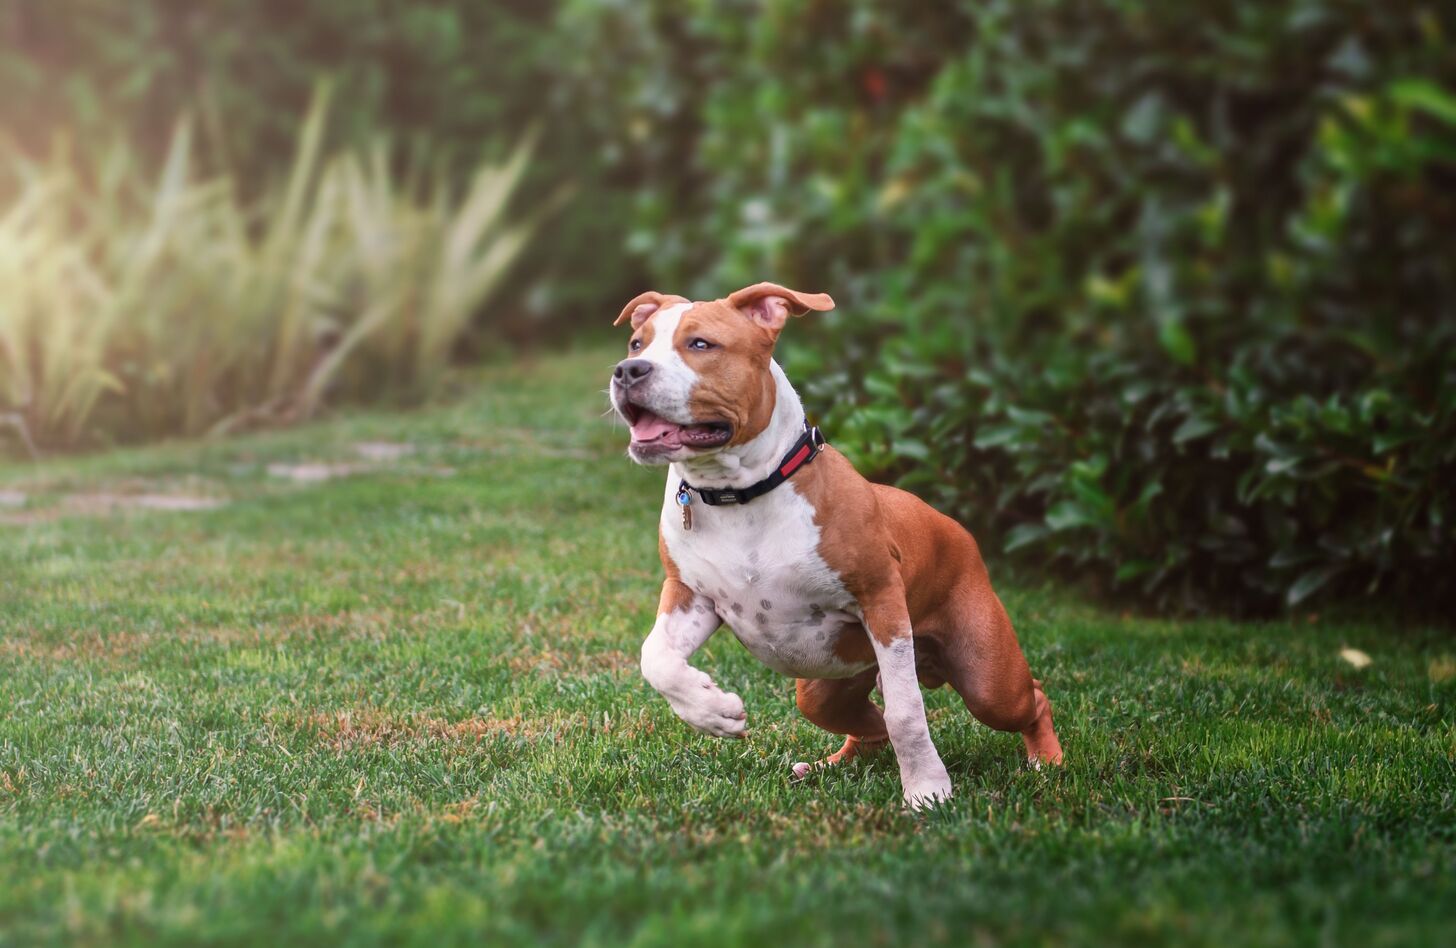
(987, 669)
(842, 706)
(1042, 745)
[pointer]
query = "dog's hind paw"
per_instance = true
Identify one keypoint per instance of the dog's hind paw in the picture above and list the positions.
(853, 747)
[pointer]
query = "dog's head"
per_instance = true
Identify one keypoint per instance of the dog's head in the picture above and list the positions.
(697, 376)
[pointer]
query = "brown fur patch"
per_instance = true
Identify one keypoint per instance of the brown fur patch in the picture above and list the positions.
(853, 645)
(841, 705)
(914, 570)
(676, 596)
(735, 384)
(889, 546)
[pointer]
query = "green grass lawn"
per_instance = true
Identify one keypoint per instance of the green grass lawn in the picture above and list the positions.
(403, 705)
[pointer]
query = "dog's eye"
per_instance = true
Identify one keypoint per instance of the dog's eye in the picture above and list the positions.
(702, 345)
(635, 344)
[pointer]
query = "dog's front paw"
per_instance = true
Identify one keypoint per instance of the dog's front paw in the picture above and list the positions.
(928, 791)
(715, 712)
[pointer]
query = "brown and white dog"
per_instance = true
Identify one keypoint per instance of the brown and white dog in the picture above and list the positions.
(826, 577)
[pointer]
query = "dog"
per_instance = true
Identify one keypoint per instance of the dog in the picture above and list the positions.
(842, 584)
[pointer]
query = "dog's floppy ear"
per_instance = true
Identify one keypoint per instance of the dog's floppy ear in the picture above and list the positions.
(643, 305)
(771, 305)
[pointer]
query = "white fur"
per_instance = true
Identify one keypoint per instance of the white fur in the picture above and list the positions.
(692, 694)
(760, 569)
(764, 552)
(922, 774)
(669, 389)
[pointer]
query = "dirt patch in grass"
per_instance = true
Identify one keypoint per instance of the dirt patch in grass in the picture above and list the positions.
(110, 503)
(29, 503)
(104, 502)
(85, 645)
(371, 727)
(371, 457)
(572, 664)
(42, 503)
(382, 451)
(313, 472)
(370, 625)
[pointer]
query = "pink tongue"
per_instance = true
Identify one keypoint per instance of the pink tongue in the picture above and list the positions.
(649, 427)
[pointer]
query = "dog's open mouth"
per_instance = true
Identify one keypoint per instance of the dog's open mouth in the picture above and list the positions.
(653, 433)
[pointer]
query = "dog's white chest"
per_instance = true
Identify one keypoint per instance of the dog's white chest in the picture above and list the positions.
(760, 565)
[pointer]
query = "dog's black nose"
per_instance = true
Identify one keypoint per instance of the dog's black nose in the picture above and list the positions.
(631, 371)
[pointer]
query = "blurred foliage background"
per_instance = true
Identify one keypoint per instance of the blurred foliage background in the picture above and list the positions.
(1159, 294)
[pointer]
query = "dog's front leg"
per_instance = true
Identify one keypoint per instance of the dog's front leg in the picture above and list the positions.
(678, 633)
(922, 774)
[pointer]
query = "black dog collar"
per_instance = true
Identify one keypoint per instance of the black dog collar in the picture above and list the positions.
(806, 449)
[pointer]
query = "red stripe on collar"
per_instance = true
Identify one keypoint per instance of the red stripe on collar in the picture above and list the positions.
(792, 464)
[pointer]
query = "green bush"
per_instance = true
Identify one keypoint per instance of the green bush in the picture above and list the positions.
(1162, 292)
